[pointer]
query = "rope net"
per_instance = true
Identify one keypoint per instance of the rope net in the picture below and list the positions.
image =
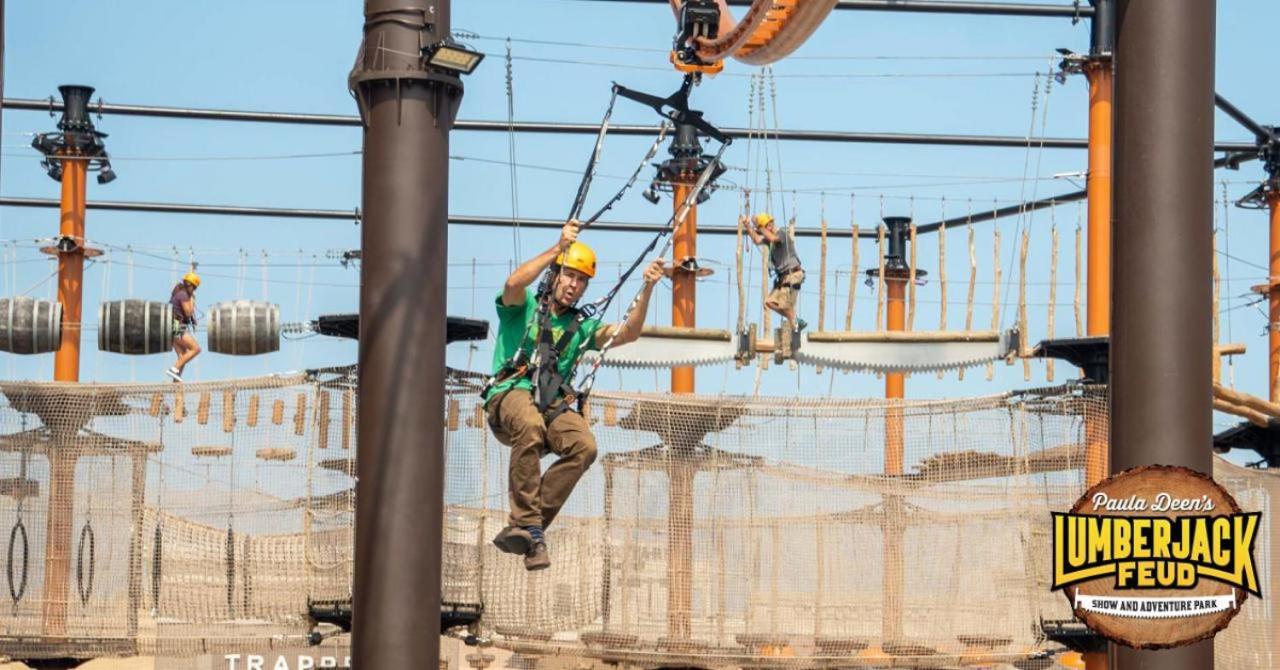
(711, 531)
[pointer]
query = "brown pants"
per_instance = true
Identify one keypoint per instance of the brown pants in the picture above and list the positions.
(537, 497)
(786, 290)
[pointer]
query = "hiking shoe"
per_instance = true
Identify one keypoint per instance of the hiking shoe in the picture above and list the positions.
(513, 540)
(174, 374)
(538, 557)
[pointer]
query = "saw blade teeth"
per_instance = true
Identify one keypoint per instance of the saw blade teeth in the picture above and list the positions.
(633, 364)
(875, 368)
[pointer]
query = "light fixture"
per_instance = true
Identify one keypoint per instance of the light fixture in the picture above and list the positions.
(703, 195)
(453, 57)
(106, 175)
(651, 195)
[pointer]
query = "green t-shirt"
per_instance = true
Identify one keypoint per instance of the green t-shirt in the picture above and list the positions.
(518, 325)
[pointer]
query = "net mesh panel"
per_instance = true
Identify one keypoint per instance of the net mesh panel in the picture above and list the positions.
(711, 531)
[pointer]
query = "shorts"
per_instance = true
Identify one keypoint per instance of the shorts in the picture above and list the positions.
(180, 328)
(786, 290)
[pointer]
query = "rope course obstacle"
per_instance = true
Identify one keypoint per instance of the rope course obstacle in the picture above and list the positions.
(237, 529)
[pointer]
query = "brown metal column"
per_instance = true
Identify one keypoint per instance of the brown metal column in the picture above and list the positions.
(407, 111)
(1161, 341)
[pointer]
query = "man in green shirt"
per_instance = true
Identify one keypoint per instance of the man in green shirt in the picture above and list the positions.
(513, 414)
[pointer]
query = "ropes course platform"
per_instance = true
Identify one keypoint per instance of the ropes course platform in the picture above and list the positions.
(779, 504)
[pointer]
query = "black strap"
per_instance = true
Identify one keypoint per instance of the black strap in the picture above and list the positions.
(548, 382)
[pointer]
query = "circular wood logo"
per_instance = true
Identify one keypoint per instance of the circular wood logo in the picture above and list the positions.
(1155, 557)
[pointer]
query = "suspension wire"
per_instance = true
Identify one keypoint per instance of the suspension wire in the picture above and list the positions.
(1026, 166)
(644, 162)
(1226, 243)
(777, 142)
(511, 155)
(589, 174)
(672, 226)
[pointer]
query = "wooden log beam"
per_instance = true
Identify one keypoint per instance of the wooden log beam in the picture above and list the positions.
(839, 336)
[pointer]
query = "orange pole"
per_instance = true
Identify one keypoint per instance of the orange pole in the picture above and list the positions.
(66, 368)
(894, 389)
(894, 384)
(66, 364)
(1273, 291)
(680, 472)
(684, 285)
(1273, 295)
(1097, 445)
(1099, 192)
(1099, 253)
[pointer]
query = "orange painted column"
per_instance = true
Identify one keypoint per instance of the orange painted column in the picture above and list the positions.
(1097, 443)
(66, 364)
(1099, 252)
(894, 384)
(680, 473)
(684, 285)
(1099, 192)
(894, 389)
(1273, 296)
(66, 368)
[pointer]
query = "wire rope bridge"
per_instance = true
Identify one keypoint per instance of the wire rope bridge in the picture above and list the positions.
(217, 514)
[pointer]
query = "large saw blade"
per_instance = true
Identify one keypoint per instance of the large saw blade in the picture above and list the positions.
(906, 356)
(666, 352)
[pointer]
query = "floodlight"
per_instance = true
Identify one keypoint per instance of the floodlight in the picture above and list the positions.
(453, 57)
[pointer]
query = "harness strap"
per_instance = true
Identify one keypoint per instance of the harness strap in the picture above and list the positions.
(548, 382)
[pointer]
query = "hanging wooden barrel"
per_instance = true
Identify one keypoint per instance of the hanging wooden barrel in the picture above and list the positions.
(244, 328)
(30, 326)
(135, 327)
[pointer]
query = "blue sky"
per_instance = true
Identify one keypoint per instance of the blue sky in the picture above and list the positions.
(866, 71)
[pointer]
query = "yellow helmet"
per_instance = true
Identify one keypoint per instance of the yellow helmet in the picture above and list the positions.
(580, 257)
(764, 220)
(192, 278)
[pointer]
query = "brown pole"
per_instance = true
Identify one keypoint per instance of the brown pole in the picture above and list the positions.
(408, 109)
(66, 368)
(1163, 245)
